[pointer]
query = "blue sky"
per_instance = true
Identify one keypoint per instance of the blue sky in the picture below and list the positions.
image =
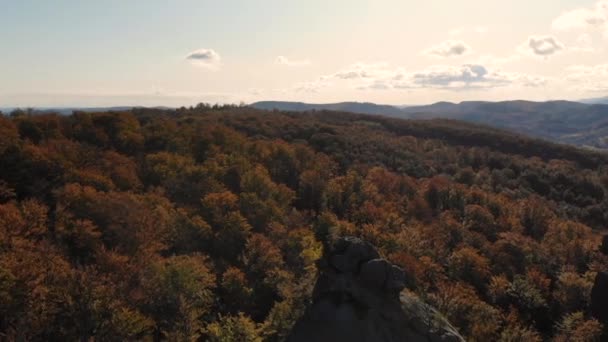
(100, 53)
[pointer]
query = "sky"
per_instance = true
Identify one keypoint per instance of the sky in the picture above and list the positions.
(181, 52)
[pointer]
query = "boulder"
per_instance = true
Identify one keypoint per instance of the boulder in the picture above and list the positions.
(374, 273)
(350, 253)
(396, 279)
(604, 246)
(599, 297)
(359, 297)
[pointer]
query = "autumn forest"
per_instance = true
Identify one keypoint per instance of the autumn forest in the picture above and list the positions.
(205, 223)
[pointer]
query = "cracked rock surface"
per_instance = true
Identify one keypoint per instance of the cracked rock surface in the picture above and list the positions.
(358, 297)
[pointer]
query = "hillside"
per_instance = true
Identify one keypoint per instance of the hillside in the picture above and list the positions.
(575, 123)
(213, 224)
(351, 107)
(561, 121)
(597, 100)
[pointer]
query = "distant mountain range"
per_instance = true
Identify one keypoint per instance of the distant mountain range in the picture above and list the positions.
(582, 123)
(577, 123)
(351, 107)
(69, 110)
(599, 100)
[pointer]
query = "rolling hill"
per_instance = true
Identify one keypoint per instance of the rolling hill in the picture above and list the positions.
(561, 121)
(351, 107)
(575, 123)
(597, 100)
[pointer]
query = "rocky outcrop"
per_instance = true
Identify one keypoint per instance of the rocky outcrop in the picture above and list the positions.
(604, 246)
(358, 297)
(599, 297)
(599, 292)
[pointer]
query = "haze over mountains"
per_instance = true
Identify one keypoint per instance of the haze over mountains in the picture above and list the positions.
(70, 110)
(583, 123)
(577, 123)
(598, 100)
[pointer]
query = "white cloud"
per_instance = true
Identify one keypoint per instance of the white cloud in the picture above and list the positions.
(380, 76)
(311, 86)
(361, 70)
(591, 78)
(315, 85)
(542, 46)
(600, 70)
(468, 76)
(455, 76)
(528, 80)
(595, 17)
(448, 48)
(282, 60)
(206, 58)
(356, 75)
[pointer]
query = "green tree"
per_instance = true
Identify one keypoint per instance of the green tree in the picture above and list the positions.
(233, 328)
(178, 293)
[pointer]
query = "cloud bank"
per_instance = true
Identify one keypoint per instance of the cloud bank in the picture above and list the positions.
(595, 18)
(380, 76)
(591, 78)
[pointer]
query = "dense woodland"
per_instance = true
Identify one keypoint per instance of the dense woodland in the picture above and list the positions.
(205, 223)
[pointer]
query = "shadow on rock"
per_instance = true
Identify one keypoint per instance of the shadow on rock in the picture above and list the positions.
(358, 297)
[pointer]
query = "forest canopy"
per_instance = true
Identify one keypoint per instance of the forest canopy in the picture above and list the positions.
(205, 223)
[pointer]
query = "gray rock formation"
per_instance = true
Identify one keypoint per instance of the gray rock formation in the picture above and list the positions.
(599, 297)
(358, 297)
(599, 294)
(604, 246)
